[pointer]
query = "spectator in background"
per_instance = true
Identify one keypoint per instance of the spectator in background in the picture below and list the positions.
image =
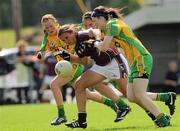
(38, 75)
(171, 78)
(24, 73)
(49, 73)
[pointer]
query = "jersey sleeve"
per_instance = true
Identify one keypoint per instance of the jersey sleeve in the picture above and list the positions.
(112, 28)
(44, 42)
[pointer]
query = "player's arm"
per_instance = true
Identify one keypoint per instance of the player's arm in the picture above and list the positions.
(105, 44)
(71, 57)
(94, 33)
(42, 50)
(112, 29)
(83, 61)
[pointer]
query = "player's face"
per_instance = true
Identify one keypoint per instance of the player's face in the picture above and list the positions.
(50, 27)
(68, 38)
(99, 22)
(22, 48)
(88, 23)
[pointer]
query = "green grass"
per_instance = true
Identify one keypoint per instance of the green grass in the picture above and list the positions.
(37, 117)
(7, 37)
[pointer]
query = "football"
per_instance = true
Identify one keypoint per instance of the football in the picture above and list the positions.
(64, 68)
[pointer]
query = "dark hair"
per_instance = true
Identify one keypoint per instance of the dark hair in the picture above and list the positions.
(68, 28)
(87, 15)
(107, 12)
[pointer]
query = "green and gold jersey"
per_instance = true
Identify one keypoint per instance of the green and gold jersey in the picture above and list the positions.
(124, 38)
(53, 44)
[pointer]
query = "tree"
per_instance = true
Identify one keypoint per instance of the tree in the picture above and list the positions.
(17, 17)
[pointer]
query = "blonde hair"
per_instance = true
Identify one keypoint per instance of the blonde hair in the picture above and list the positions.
(21, 43)
(48, 17)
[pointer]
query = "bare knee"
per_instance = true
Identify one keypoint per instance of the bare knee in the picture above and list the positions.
(123, 86)
(139, 96)
(53, 84)
(130, 98)
(79, 86)
(89, 95)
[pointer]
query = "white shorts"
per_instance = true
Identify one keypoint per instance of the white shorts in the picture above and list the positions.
(113, 70)
(47, 79)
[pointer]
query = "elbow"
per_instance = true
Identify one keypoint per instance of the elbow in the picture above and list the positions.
(104, 48)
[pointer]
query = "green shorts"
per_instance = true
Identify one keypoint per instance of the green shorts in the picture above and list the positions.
(114, 83)
(141, 67)
(78, 72)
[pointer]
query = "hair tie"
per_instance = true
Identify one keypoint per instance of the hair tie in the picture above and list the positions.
(98, 14)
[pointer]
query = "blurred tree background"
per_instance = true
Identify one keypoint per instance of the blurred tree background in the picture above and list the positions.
(24, 22)
(67, 11)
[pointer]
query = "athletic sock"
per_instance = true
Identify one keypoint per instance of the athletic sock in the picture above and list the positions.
(107, 101)
(82, 117)
(121, 104)
(61, 111)
(162, 120)
(163, 97)
(150, 115)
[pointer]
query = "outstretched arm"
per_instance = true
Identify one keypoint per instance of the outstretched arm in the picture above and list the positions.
(41, 52)
(105, 44)
(83, 61)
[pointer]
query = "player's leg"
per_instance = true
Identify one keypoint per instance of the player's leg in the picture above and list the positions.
(104, 88)
(140, 72)
(164, 97)
(169, 99)
(56, 86)
(118, 67)
(97, 97)
(118, 105)
(94, 96)
(80, 88)
(139, 89)
(80, 85)
(122, 86)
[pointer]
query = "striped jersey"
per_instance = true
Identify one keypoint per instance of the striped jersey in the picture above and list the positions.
(124, 38)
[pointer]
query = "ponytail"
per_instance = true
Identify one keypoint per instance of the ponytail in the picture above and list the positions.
(106, 12)
(114, 13)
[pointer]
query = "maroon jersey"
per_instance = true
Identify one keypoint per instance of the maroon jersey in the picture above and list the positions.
(100, 58)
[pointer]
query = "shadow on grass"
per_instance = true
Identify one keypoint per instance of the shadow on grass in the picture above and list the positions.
(126, 128)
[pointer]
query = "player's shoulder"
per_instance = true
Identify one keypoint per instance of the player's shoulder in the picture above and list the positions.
(112, 21)
(62, 42)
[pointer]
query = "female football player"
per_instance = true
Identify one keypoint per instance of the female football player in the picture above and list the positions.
(118, 34)
(164, 97)
(108, 65)
(53, 44)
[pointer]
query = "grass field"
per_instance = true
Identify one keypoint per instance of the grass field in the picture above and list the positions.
(7, 36)
(37, 117)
